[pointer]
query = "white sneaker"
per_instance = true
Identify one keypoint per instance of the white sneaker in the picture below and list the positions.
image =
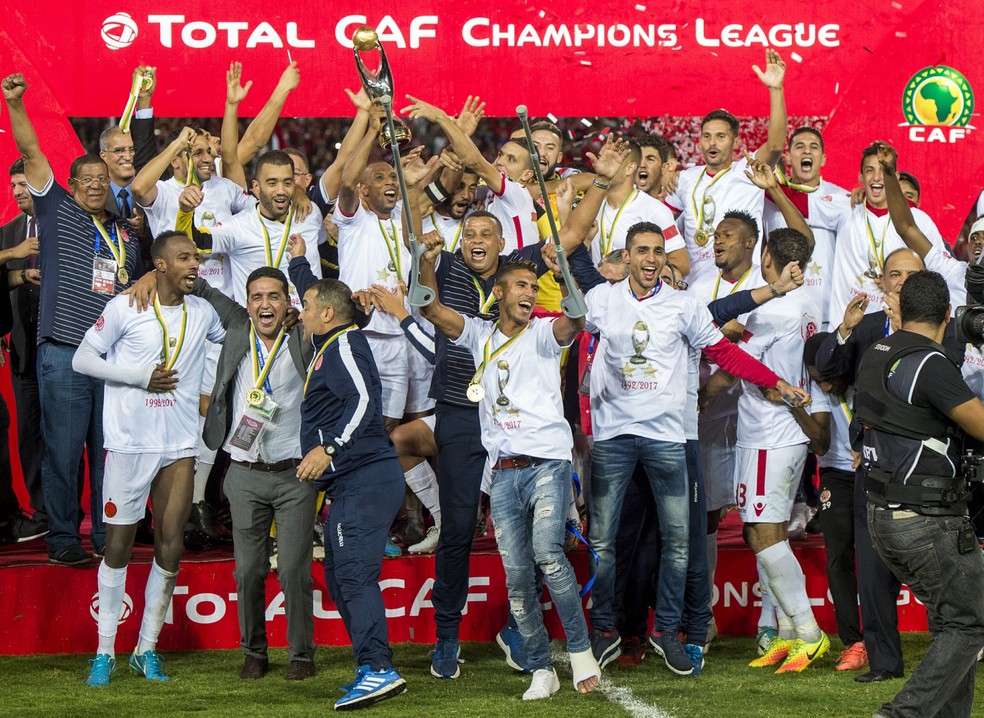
(429, 543)
(798, 520)
(545, 684)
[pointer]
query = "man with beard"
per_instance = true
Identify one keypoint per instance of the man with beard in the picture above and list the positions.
(448, 216)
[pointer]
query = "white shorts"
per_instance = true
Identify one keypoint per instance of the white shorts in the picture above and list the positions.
(126, 483)
(421, 373)
(390, 353)
(717, 460)
(766, 481)
(430, 420)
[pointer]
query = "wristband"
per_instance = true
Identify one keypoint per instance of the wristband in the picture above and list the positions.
(436, 192)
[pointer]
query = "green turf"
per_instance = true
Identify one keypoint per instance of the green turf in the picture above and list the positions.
(207, 683)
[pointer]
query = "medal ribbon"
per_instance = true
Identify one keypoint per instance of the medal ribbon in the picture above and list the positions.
(170, 360)
(118, 251)
(192, 172)
(457, 236)
(393, 247)
(283, 239)
(487, 358)
(880, 259)
(261, 368)
(321, 351)
(484, 303)
(847, 410)
(606, 246)
(699, 211)
(131, 103)
(784, 181)
(734, 287)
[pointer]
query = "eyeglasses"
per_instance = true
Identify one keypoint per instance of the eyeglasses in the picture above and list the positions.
(89, 181)
(120, 151)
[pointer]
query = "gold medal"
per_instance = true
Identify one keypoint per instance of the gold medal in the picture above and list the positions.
(701, 238)
(475, 393)
(123, 276)
(256, 397)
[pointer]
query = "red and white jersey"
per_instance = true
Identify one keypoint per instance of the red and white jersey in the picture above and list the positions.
(221, 199)
(729, 189)
(371, 251)
(865, 236)
(775, 334)
(823, 209)
(134, 420)
(449, 228)
(639, 375)
(514, 209)
(614, 224)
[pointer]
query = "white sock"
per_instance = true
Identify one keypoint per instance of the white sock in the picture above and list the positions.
(112, 587)
(787, 630)
(788, 585)
(767, 616)
(157, 597)
(423, 482)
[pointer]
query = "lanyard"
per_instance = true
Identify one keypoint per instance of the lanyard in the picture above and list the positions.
(117, 250)
(487, 358)
(784, 181)
(283, 239)
(699, 211)
(457, 235)
(321, 351)
(847, 410)
(169, 359)
(734, 287)
(875, 246)
(261, 366)
(393, 247)
(606, 244)
(484, 303)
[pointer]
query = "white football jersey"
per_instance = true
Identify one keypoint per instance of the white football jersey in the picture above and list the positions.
(449, 228)
(514, 209)
(614, 223)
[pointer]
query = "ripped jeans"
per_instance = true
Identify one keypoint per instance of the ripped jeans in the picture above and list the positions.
(529, 508)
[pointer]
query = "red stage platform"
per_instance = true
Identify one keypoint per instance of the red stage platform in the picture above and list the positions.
(51, 609)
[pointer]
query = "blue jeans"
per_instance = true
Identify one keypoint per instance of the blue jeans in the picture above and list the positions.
(529, 506)
(697, 595)
(71, 419)
(922, 551)
(612, 464)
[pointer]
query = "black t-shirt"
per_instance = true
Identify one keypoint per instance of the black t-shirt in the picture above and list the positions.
(926, 379)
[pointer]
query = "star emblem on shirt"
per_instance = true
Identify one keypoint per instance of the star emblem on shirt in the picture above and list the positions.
(382, 274)
(651, 370)
(627, 369)
(815, 268)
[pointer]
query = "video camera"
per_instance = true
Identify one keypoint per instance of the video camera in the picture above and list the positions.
(969, 319)
(972, 467)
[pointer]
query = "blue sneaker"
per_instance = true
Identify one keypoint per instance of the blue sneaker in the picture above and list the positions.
(359, 673)
(696, 654)
(445, 661)
(511, 642)
(392, 550)
(372, 687)
(103, 666)
(148, 665)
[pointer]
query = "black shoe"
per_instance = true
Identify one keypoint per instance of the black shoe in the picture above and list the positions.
(877, 676)
(29, 528)
(73, 555)
(606, 646)
(299, 670)
(201, 518)
(195, 540)
(254, 668)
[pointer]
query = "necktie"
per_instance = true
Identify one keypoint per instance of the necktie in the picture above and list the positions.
(32, 231)
(124, 203)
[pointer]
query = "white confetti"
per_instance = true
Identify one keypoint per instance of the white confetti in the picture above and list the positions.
(897, 5)
(796, 56)
(837, 88)
(586, 63)
(640, 8)
(551, 117)
(542, 14)
(900, 33)
(586, 122)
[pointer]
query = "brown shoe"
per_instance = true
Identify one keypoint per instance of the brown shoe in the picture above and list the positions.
(299, 670)
(254, 668)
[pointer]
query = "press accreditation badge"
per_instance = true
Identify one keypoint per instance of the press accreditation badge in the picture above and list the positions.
(253, 422)
(103, 275)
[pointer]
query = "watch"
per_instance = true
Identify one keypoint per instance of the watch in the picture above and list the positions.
(330, 450)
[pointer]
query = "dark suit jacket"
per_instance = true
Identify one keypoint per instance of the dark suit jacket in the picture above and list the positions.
(145, 147)
(19, 306)
(236, 321)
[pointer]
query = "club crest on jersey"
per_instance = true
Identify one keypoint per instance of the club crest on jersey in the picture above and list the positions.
(109, 509)
(758, 507)
(100, 323)
(937, 104)
(809, 326)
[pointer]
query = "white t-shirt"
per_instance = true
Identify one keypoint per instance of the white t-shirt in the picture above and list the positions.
(775, 334)
(134, 420)
(839, 455)
(514, 209)
(953, 270)
(614, 223)
(449, 228)
(522, 413)
(730, 189)
(854, 254)
(825, 208)
(639, 374)
(371, 251)
(244, 243)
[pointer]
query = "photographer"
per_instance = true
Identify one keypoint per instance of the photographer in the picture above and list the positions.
(911, 399)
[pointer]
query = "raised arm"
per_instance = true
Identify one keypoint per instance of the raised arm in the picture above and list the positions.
(606, 164)
(445, 320)
(898, 206)
(772, 77)
(258, 133)
(232, 168)
(142, 128)
(331, 179)
(36, 167)
(348, 192)
(144, 185)
(763, 177)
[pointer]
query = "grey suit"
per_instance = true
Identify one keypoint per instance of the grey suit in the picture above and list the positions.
(260, 494)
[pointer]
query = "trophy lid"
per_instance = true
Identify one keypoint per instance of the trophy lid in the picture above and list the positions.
(365, 38)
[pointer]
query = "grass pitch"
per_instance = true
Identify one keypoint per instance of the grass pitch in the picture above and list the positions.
(207, 683)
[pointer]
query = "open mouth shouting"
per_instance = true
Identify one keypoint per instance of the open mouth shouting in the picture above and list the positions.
(266, 319)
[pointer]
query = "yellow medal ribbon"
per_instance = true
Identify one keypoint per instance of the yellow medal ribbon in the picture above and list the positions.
(131, 103)
(734, 287)
(875, 246)
(168, 358)
(457, 236)
(192, 172)
(260, 377)
(487, 358)
(699, 209)
(393, 247)
(283, 239)
(784, 181)
(847, 410)
(606, 245)
(321, 351)
(118, 251)
(484, 303)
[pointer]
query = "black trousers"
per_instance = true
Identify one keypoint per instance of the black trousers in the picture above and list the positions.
(30, 445)
(837, 524)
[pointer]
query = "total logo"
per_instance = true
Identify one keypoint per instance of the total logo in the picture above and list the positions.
(125, 610)
(120, 30)
(937, 103)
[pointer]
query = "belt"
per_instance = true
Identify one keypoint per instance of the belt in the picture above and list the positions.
(274, 468)
(516, 462)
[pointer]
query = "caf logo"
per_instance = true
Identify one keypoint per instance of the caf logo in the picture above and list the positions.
(125, 610)
(119, 31)
(936, 98)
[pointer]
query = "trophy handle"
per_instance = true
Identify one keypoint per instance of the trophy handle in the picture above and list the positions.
(380, 82)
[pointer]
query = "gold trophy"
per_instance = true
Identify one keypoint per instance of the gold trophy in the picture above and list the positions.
(873, 271)
(640, 338)
(377, 83)
(503, 379)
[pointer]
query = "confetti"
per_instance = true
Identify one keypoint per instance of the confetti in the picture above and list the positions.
(551, 118)
(586, 63)
(897, 5)
(542, 14)
(796, 56)
(900, 33)
(586, 122)
(640, 8)
(837, 88)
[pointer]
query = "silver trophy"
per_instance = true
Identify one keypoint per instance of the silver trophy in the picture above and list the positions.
(208, 219)
(378, 83)
(874, 270)
(640, 339)
(503, 367)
